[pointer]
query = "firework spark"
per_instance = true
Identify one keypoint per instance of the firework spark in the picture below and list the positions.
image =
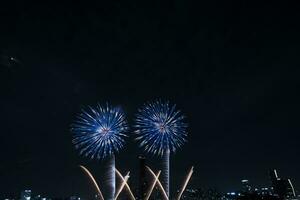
(99, 132)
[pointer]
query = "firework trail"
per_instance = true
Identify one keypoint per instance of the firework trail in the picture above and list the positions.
(126, 184)
(122, 185)
(185, 183)
(159, 183)
(153, 185)
(290, 182)
(166, 171)
(93, 180)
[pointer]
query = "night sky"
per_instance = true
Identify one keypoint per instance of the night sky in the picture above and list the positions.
(232, 68)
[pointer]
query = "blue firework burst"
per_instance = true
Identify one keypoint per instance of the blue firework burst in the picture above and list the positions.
(159, 127)
(99, 132)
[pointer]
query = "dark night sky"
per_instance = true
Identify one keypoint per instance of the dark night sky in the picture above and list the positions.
(231, 67)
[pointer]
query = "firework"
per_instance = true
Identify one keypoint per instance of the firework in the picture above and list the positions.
(160, 130)
(99, 133)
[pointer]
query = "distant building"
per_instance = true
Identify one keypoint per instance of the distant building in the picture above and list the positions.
(201, 194)
(266, 191)
(246, 186)
(74, 198)
(37, 197)
(25, 195)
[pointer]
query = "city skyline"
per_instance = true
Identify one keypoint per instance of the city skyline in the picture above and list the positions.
(231, 67)
(273, 190)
